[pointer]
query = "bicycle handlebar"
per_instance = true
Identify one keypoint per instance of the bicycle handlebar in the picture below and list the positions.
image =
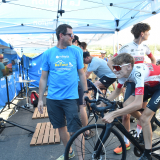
(94, 87)
(100, 109)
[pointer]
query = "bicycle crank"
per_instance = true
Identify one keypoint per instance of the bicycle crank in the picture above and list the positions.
(137, 152)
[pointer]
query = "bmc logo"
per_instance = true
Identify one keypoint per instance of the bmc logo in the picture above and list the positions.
(157, 100)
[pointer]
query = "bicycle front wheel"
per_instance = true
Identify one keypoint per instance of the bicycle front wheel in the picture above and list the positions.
(85, 148)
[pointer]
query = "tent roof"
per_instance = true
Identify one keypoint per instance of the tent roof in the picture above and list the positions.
(3, 44)
(85, 16)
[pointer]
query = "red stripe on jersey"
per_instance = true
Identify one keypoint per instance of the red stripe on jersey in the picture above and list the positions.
(119, 85)
(154, 72)
(138, 59)
(115, 55)
(136, 62)
(139, 91)
(150, 55)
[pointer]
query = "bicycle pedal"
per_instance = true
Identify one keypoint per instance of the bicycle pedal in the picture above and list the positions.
(133, 132)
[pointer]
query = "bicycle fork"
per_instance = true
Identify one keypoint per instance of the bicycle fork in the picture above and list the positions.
(101, 140)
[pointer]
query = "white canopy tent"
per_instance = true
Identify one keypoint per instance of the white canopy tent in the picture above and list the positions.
(96, 17)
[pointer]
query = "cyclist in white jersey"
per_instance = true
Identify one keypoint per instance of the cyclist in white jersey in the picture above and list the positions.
(138, 51)
(147, 85)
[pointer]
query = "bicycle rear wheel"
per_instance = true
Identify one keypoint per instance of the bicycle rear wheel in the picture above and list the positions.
(85, 149)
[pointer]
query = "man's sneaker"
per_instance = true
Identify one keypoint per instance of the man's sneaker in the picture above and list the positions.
(144, 157)
(118, 150)
(71, 155)
(90, 135)
(91, 114)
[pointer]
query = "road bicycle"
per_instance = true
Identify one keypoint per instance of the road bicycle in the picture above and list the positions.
(107, 138)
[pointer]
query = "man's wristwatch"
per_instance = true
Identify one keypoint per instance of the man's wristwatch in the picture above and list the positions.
(86, 91)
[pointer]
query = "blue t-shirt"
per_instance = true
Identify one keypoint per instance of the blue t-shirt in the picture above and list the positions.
(100, 68)
(80, 52)
(62, 65)
(1, 68)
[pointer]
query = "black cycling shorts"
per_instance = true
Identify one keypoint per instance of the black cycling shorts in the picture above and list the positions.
(106, 81)
(130, 90)
(154, 94)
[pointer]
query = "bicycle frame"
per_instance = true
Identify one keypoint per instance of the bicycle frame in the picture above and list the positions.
(128, 136)
(106, 132)
(104, 135)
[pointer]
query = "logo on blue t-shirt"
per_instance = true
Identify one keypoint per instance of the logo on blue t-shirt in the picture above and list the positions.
(62, 56)
(61, 65)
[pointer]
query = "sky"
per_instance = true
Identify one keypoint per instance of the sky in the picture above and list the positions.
(125, 35)
(154, 37)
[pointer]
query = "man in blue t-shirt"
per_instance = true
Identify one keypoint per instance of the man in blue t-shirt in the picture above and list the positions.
(60, 67)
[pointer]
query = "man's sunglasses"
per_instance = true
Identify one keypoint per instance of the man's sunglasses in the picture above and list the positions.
(69, 34)
(119, 67)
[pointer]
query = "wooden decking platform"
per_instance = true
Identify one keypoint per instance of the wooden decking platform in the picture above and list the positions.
(45, 134)
(37, 115)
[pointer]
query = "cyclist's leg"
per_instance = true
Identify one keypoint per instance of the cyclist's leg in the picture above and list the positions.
(118, 150)
(146, 126)
(130, 87)
(99, 85)
(147, 131)
(147, 115)
(139, 127)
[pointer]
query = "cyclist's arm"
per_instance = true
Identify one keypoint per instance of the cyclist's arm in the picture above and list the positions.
(43, 84)
(114, 94)
(153, 60)
(132, 107)
(110, 63)
(88, 74)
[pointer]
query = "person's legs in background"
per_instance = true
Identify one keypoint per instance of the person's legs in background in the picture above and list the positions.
(130, 87)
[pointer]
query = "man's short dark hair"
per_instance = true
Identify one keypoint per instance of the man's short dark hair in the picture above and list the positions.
(62, 29)
(138, 28)
(76, 38)
(86, 54)
(83, 45)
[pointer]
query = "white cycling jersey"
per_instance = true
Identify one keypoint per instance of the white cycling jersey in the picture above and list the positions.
(137, 51)
(142, 74)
